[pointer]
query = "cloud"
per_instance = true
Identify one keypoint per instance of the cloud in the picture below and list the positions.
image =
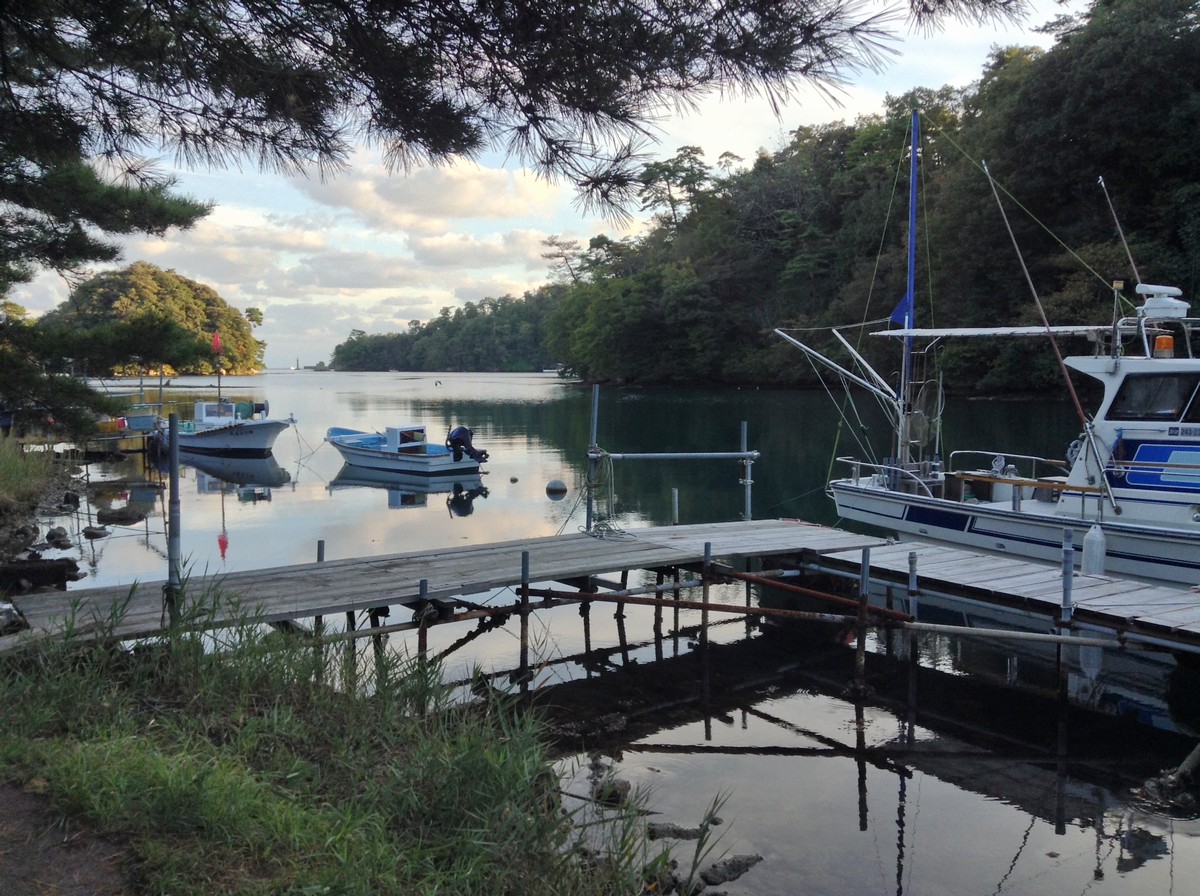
(424, 200)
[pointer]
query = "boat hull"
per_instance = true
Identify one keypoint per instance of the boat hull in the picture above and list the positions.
(244, 438)
(1153, 553)
(369, 451)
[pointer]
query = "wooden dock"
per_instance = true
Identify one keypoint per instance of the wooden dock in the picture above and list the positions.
(1159, 615)
(341, 586)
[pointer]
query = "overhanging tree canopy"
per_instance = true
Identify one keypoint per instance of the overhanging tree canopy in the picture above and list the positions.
(571, 87)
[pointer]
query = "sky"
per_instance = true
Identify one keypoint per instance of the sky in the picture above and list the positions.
(371, 250)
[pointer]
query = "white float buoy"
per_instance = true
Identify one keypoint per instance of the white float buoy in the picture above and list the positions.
(1094, 548)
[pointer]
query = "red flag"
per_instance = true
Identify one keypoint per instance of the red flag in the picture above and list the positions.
(216, 342)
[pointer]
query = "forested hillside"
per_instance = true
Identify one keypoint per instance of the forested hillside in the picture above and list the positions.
(814, 233)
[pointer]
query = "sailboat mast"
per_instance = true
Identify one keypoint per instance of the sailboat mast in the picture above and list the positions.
(903, 436)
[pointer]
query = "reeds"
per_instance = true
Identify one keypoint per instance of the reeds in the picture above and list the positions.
(24, 476)
(253, 762)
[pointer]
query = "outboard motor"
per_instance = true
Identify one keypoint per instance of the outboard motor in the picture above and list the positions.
(459, 441)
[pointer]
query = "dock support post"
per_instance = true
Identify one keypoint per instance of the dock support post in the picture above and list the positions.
(677, 594)
(860, 653)
(585, 611)
(674, 507)
(750, 621)
(524, 671)
(423, 631)
(914, 650)
(747, 481)
(174, 579)
(704, 655)
(593, 450)
(658, 618)
(319, 621)
(1068, 572)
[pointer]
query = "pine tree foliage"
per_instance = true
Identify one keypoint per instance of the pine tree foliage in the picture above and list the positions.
(572, 86)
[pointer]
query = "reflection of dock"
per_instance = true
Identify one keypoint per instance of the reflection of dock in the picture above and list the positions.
(1155, 616)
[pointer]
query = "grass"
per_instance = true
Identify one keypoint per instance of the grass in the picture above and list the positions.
(24, 477)
(252, 762)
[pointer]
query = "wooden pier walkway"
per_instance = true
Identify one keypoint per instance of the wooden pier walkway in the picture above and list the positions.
(339, 586)
(1126, 608)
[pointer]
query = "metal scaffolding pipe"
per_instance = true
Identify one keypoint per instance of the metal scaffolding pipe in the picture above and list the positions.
(679, 455)
(800, 589)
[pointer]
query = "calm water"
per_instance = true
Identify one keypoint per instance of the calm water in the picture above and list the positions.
(974, 795)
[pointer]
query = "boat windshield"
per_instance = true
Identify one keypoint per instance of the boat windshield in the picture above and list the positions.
(1156, 397)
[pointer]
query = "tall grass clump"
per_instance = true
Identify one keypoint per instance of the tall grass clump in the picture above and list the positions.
(24, 477)
(257, 762)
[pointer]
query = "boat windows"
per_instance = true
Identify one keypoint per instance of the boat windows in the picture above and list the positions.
(1153, 397)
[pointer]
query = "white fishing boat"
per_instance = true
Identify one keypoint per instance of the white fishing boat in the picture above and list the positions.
(1127, 491)
(407, 449)
(226, 427)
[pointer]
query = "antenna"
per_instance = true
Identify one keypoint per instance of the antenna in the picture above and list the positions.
(1088, 428)
(1120, 232)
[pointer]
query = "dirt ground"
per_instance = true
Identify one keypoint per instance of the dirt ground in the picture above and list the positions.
(41, 855)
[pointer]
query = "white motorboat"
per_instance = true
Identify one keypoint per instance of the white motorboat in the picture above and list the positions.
(231, 428)
(1127, 490)
(407, 449)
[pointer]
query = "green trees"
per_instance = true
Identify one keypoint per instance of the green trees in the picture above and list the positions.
(145, 317)
(503, 334)
(814, 234)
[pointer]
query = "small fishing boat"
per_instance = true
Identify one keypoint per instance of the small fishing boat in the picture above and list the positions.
(407, 449)
(1127, 491)
(230, 428)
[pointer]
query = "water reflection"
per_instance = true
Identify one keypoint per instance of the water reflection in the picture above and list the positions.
(411, 490)
(941, 779)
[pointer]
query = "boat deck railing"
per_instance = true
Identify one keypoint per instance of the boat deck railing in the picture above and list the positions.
(914, 478)
(1006, 465)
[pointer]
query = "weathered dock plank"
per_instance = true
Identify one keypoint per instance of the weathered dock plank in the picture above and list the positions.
(355, 584)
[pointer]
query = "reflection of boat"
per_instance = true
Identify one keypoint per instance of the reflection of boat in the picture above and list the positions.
(406, 449)
(413, 490)
(264, 471)
(232, 428)
(1131, 481)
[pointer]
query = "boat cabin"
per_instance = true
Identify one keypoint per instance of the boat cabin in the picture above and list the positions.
(409, 438)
